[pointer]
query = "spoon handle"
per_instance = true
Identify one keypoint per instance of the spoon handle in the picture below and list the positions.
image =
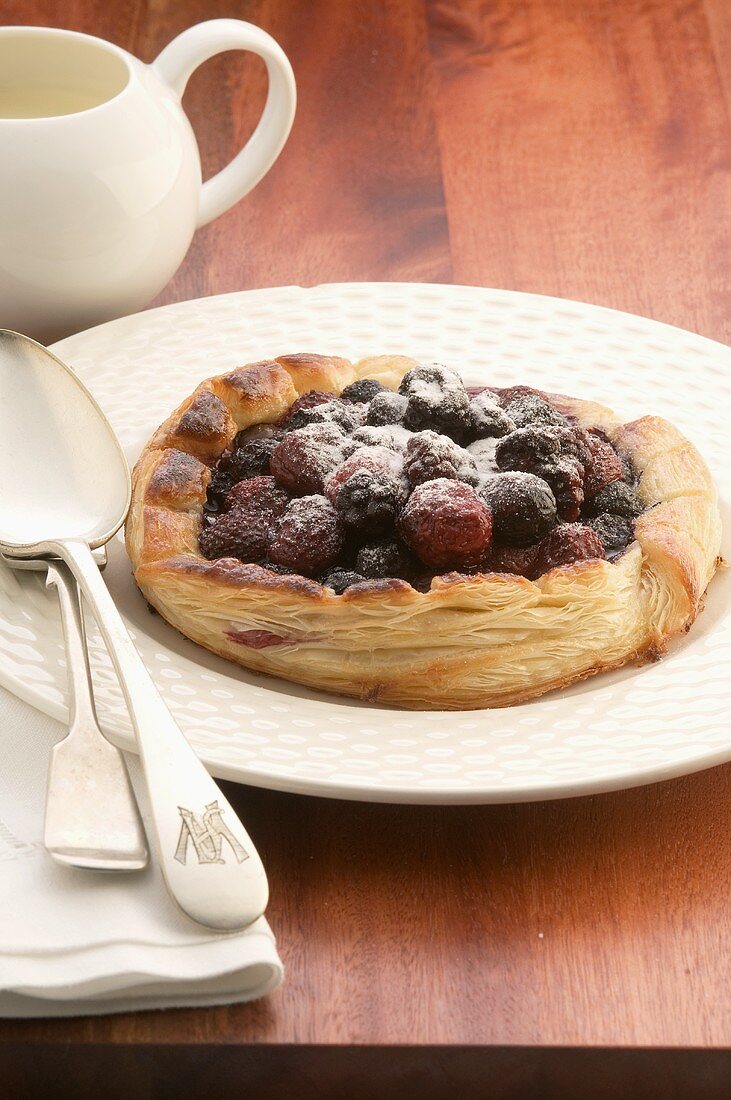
(92, 818)
(210, 865)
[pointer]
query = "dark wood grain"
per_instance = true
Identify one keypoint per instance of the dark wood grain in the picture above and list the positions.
(579, 148)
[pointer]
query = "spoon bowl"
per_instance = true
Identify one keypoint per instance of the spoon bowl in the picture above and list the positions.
(64, 473)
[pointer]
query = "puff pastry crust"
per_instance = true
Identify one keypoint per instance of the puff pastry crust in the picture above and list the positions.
(471, 641)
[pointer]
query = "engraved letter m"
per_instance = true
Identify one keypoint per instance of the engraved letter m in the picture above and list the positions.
(207, 832)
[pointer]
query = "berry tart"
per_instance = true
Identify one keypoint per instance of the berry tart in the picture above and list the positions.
(381, 530)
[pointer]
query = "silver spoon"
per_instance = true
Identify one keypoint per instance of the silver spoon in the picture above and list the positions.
(66, 491)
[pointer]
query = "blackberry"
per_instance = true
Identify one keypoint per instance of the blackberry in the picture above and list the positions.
(618, 498)
(532, 409)
(252, 454)
(517, 560)
(340, 579)
(436, 399)
(281, 570)
(219, 487)
(565, 476)
(386, 558)
(615, 532)
(393, 436)
(386, 408)
(487, 419)
(369, 502)
(336, 411)
(527, 448)
(362, 391)
(307, 400)
(368, 489)
(523, 507)
(259, 432)
(629, 474)
(430, 456)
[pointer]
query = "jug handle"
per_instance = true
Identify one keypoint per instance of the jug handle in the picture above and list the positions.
(184, 54)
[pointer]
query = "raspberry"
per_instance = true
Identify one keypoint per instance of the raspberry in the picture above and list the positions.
(362, 391)
(386, 408)
(258, 494)
(615, 532)
(602, 467)
(618, 498)
(522, 505)
(512, 559)
(527, 448)
(379, 460)
(573, 443)
(566, 544)
(447, 525)
(565, 476)
(308, 537)
(487, 418)
(368, 489)
(309, 400)
(347, 417)
(340, 579)
(533, 409)
(386, 558)
(436, 399)
(430, 456)
(240, 533)
(304, 458)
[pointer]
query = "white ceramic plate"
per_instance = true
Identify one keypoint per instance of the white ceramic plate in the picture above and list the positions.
(620, 729)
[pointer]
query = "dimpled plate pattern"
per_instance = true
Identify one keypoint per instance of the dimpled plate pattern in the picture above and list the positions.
(618, 729)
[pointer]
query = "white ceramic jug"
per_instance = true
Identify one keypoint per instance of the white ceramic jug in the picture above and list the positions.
(100, 176)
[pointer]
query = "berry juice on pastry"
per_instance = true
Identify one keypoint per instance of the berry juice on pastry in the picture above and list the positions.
(383, 531)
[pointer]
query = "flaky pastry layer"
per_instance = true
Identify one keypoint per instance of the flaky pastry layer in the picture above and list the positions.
(479, 641)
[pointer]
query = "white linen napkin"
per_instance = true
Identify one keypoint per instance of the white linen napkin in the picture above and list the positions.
(76, 942)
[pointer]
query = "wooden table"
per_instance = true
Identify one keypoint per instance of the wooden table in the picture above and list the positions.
(569, 147)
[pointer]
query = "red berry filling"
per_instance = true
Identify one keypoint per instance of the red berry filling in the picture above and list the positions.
(373, 485)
